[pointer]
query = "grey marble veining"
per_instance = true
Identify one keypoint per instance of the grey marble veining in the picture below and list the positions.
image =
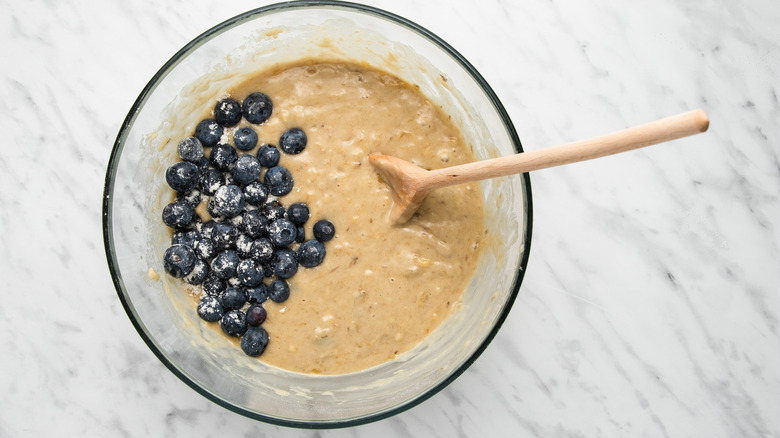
(652, 298)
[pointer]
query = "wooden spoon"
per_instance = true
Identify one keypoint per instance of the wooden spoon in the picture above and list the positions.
(410, 184)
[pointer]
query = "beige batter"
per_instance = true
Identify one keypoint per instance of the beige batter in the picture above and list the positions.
(381, 288)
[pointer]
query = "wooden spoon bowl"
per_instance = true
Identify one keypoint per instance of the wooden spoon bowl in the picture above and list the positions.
(411, 184)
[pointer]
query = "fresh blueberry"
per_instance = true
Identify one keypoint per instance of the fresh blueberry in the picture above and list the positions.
(311, 253)
(298, 213)
(203, 163)
(213, 285)
(284, 263)
(253, 223)
(210, 309)
(300, 235)
(233, 323)
(227, 112)
(199, 272)
(234, 282)
(224, 235)
(257, 108)
(191, 197)
(323, 230)
(268, 155)
(256, 295)
(186, 237)
(255, 341)
(246, 169)
(279, 291)
(262, 250)
(245, 138)
(282, 233)
(278, 180)
(205, 249)
(293, 141)
(178, 214)
(249, 273)
(222, 156)
(232, 298)
(207, 229)
(191, 149)
(256, 315)
(243, 245)
(255, 193)
(224, 264)
(182, 176)
(179, 260)
(210, 180)
(274, 210)
(208, 132)
(229, 200)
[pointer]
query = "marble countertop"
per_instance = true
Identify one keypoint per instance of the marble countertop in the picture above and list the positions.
(652, 297)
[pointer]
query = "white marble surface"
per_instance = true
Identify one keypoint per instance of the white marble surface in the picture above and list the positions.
(652, 298)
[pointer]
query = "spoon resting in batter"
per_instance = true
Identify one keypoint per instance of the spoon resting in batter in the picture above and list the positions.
(410, 184)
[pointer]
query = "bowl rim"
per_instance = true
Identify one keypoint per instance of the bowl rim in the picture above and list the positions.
(119, 143)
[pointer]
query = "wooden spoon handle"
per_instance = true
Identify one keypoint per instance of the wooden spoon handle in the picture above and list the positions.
(669, 128)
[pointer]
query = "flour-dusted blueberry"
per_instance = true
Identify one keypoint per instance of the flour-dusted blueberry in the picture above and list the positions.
(278, 180)
(182, 176)
(211, 207)
(254, 341)
(323, 230)
(234, 282)
(262, 250)
(213, 285)
(203, 163)
(245, 138)
(210, 181)
(232, 298)
(205, 249)
(278, 291)
(298, 213)
(210, 309)
(311, 253)
(179, 260)
(256, 315)
(253, 223)
(227, 112)
(268, 155)
(190, 149)
(207, 228)
(224, 235)
(282, 232)
(199, 272)
(250, 273)
(208, 132)
(293, 141)
(178, 214)
(224, 264)
(300, 235)
(233, 323)
(243, 245)
(257, 294)
(255, 193)
(246, 169)
(257, 108)
(222, 156)
(187, 237)
(229, 200)
(274, 210)
(284, 263)
(192, 197)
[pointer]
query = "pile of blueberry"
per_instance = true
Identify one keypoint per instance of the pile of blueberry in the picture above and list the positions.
(251, 235)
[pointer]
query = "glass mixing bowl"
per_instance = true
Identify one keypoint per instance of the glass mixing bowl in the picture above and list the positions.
(135, 237)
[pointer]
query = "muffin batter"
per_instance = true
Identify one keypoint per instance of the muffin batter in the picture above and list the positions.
(381, 288)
